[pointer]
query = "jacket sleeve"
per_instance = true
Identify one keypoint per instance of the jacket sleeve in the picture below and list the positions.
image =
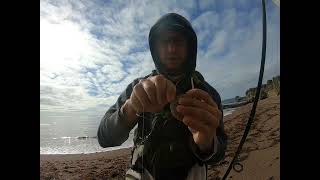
(220, 141)
(114, 128)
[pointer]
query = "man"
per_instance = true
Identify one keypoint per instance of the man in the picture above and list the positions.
(179, 115)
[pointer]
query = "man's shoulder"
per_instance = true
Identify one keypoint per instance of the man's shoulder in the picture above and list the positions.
(209, 86)
(214, 95)
(211, 90)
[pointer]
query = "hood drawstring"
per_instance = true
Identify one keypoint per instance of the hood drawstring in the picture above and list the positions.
(192, 85)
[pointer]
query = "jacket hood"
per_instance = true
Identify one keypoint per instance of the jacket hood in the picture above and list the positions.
(174, 22)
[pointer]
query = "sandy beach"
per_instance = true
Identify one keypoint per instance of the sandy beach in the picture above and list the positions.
(260, 154)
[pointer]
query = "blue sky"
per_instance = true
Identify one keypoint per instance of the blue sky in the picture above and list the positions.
(91, 50)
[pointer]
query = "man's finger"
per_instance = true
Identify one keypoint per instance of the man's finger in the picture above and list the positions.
(171, 91)
(160, 83)
(141, 95)
(194, 124)
(150, 89)
(199, 114)
(187, 101)
(137, 106)
(200, 94)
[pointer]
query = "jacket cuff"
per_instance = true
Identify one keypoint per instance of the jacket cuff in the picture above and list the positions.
(208, 156)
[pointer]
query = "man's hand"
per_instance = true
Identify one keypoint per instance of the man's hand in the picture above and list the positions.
(201, 114)
(152, 94)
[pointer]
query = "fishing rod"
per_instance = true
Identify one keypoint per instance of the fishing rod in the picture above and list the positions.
(235, 161)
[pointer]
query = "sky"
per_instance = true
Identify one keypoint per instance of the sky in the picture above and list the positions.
(91, 50)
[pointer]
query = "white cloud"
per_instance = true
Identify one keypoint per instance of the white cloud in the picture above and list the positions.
(67, 50)
(206, 4)
(91, 50)
(205, 25)
(237, 68)
(218, 45)
(229, 18)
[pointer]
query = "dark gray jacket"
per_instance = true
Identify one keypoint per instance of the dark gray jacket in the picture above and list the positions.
(114, 129)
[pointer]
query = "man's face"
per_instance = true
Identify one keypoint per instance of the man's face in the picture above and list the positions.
(172, 49)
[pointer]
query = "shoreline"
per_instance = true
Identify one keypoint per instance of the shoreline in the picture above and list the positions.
(107, 154)
(234, 105)
(260, 154)
(228, 112)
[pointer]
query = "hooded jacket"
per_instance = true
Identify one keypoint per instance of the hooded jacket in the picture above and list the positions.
(114, 129)
(178, 23)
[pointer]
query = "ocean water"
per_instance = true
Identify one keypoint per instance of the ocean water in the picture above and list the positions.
(228, 101)
(62, 133)
(228, 111)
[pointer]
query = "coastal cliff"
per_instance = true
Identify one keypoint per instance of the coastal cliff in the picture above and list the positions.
(270, 89)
